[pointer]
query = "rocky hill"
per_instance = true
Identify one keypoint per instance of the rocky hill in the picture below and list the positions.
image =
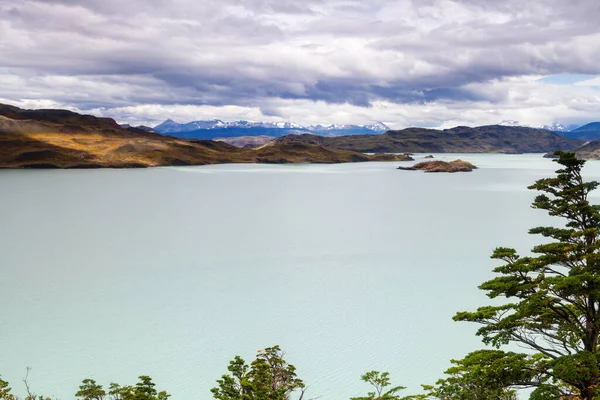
(442, 166)
(483, 139)
(587, 132)
(64, 139)
(246, 141)
(589, 151)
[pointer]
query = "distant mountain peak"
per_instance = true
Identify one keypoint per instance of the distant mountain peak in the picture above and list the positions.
(510, 122)
(554, 126)
(378, 127)
(253, 128)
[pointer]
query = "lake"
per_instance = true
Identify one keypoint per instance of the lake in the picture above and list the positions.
(171, 272)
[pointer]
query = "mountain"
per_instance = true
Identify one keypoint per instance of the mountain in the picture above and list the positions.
(554, 127)
(170, 126)
(343, 130)
(215, 128)
(64, 139)
(232, 132)
(462, 139)
(140, 127)
(560, 128)
(589, 151)
(587, 132)
(246, 141)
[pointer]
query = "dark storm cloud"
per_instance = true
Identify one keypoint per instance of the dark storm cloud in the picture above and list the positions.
(245, 51)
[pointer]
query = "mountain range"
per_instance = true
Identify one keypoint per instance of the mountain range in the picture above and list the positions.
(216, 128)
(65, 139)
(588, 132)
(245, 132)
(461, 139)
(554, 127)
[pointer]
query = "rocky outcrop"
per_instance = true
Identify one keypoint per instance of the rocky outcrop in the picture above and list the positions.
(441, 166)
(391, 157)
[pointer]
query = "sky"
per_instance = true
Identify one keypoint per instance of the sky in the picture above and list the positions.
(430, 63)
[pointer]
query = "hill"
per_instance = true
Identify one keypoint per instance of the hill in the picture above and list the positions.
(64, 139)
(246, 141)
(554, 127)
(589, 151)
(587, 132)
(483, 139)
(233, 132)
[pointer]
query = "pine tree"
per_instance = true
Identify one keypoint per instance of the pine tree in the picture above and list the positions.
(269, 377)
(552, 297)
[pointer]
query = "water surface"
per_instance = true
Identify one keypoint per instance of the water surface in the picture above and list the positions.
(170, 272)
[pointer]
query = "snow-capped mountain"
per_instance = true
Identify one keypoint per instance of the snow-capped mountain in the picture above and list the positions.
(554, 127)
(216, 128)
(268, 125)
(510, 122)
(355, 129)
(170, 126)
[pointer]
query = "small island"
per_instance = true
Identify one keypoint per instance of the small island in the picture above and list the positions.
(441, 166)
(391, 157)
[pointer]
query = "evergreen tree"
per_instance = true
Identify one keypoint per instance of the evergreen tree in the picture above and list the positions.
(552, 297)
(269, 377)
(483, 375)
(5, 391)
(90, 390)
(143, 390)
(380, 382)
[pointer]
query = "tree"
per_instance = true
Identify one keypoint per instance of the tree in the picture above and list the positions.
(143, 390)
(552, 302)
(380, 381)
(483, 375)
(30, 394)
(5, 391)
(90, 390)
(269, 377)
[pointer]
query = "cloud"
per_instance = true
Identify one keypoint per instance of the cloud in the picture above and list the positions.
(328, 56)
(594, 82)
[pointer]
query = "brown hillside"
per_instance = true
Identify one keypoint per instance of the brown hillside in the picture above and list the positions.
(483, 139)
(63, 139)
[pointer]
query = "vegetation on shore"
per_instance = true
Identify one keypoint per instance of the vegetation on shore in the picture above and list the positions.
(547, 303)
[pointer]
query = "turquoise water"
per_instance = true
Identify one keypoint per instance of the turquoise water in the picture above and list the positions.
(170, 272)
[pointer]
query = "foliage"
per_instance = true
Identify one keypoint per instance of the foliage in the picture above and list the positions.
(90, 390)
(553, 296)
(269, 377)
(143, 390)
(485, 375)
(380, 381)
(5, 391)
